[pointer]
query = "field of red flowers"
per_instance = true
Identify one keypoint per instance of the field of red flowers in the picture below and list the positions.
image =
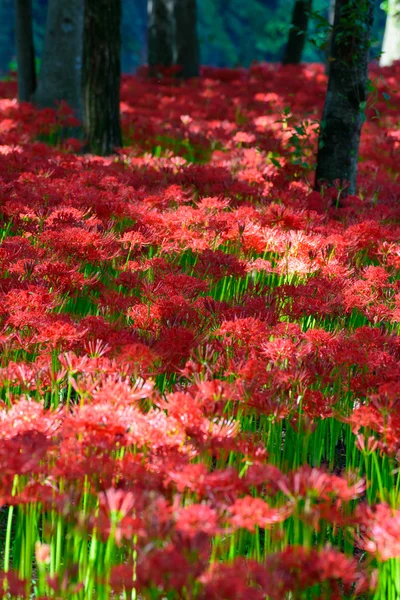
(200, 356)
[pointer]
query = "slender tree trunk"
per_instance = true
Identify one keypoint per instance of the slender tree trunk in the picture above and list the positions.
(25, 50)
(60, 73)
(343, 114)
(391, 38)
(159, 35)
(298, 32)
(331, 19)
(101, 75)
(187, 51)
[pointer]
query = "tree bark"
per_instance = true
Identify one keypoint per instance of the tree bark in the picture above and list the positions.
(331, 19)
(187, 51)
(298, 32)
(391, 38)
(159, 35)
(345, 100)
(60, 73)
(101, 75)
(26, 72)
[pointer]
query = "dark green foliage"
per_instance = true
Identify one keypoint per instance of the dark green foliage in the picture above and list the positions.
(7, 34)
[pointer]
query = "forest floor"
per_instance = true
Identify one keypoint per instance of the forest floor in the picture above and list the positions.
(200, 356)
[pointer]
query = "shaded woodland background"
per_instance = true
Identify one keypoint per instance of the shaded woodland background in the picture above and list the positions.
(231, 32)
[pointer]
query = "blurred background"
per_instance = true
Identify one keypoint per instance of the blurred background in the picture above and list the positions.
(232, 33)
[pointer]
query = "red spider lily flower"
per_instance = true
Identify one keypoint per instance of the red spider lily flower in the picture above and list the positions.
(191, 477)
(62, 278)
(174, 345)
(117, 517)
(81, 243)
(230, 581)
(26, 416)
(42, 553)
(165, 569)
(12, 585)
(59, 333)
(19, 374)
(197, 518)
(107, 425)
(66, 583)
(249, 512)
(312, 482)
(28, 307)
(219, 484)
(123, 577)
(265, 478)
(116, 502)
(380, 531)
(296, 568)
(368, 446)
(48, 495)
(24, 453)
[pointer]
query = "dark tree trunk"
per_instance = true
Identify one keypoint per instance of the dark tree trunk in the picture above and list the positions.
(159, 35)
(25, 50)
(331, 19)
(343, 114)
(101, 75)
(298, 32)
(187, 51)
(60, 72)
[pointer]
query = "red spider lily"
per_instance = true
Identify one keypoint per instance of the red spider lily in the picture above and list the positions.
(197, 518)
(297, 568)
(322, 486)
(249, 512)
(27, 307)
(117, 518)
(24, 453)
(230, 581)
(217, 485)
(379, 532)
(66, 583)
(28, 416)
(166, 569)
(12, 585)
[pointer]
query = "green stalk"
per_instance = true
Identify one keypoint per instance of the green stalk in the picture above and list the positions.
(8, 539)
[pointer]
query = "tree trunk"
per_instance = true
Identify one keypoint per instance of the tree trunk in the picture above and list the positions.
(345, 101)
(187, 51)
(298, 32)
(159, 35)
(331, 19)
(60, 73)
(25, 50)
(101, 75)
(391, 38)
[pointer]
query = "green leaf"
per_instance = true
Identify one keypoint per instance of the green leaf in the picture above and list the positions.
(275, 162)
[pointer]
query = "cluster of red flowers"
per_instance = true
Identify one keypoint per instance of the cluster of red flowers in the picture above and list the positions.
(200, 356)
